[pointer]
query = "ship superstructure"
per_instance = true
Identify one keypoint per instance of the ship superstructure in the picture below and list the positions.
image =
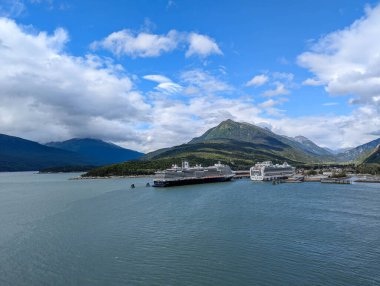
(186, 175)
(266, 171)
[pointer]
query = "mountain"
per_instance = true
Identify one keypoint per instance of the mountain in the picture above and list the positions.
(242, 144)
(337, 151)
(97, 152)
(358, 153)
(238, 144)
(17, 154)
(310, 146)
(374, 157)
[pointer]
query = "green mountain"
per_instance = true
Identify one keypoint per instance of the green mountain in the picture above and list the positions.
(359, 153)
(374, 157)
(97, 152)
(242, 144)
(17, 154)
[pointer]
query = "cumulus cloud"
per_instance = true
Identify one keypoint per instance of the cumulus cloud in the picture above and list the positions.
(56, 96)
(258, 80)
(202, 45)
(347, 61)
(126, 42)
(332, 131)
(52, 95)
(146, 44)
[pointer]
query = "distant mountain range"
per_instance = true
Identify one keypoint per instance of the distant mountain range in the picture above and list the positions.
(17, 154)
(236, 143)
(97, 152)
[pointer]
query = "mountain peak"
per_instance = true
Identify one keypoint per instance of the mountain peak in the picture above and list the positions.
(229, 129)
(301, 139)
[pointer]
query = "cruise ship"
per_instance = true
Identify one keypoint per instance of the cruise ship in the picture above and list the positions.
(186, 175)
(266, 171)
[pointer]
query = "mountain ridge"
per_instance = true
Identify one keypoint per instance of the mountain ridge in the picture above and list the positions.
(358, 153)
(97, 151)
(18, 154)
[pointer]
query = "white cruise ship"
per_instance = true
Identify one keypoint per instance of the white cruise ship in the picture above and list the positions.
(266, 171)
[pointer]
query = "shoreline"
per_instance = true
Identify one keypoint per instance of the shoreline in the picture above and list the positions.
(112, 177)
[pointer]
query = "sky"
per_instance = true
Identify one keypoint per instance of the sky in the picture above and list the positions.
(151, 74)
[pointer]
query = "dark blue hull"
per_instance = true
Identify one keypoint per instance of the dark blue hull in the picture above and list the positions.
(182, 182)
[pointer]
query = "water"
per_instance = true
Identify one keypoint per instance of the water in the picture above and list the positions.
(55, 231)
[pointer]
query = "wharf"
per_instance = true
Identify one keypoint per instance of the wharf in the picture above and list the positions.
(241, 174)
(345, 181)
(367, 181)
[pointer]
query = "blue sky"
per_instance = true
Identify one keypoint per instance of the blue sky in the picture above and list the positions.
(187, 65)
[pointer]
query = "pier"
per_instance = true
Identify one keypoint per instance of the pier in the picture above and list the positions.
(242, 174)
(345, 181)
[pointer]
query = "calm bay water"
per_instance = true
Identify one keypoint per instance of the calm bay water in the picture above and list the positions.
(55, 231)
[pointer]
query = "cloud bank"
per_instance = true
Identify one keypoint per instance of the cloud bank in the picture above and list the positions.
(347, 62)
(47, 94)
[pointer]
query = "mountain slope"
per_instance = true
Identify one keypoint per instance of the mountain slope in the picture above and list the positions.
(303, 150)
(310, 146)
(96, 151)
(374, 157)
(240, 143)
(17, 154)
(358, 153)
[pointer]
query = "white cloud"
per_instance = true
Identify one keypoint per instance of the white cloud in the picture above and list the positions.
(165, 84)
(347, 62)
(279, 90)
(271, 103)
(52, 95)
(126, 42)
(283, 76)
(55, 96)
(257, 80)
(202, 45)
(145, 44)
(199, 83)
(332, 131)
(330, 103)
(312, 82)
(157, 78)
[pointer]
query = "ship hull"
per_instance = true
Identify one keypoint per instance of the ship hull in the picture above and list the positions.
(190, 181)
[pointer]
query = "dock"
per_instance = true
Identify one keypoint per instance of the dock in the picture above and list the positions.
(241, 174)
(345, 181)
